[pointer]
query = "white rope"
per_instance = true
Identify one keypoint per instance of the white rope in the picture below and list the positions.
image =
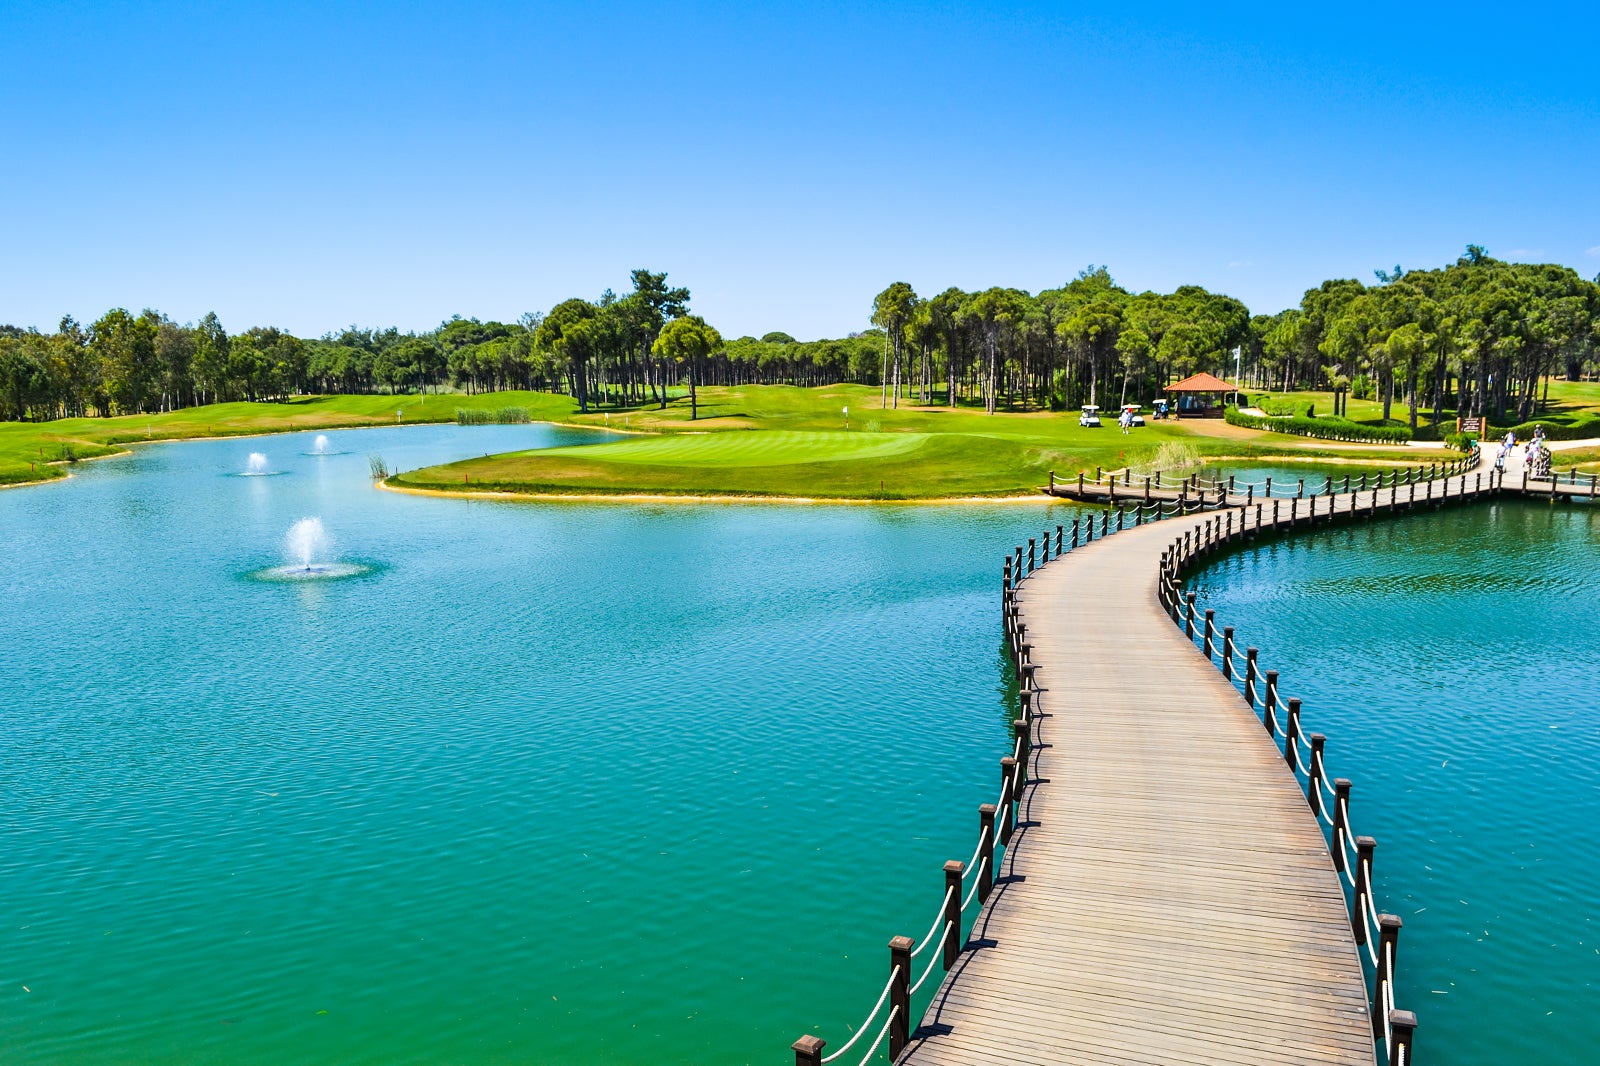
(945, 903)
(870, 1015)
(973, 891)
(1372, 908)
(1003, 803)
(931, 960)
(1323, 777)
(873, 1050)
(972, 864)
(1322, 812)
(1298, 764)
(1372, 952)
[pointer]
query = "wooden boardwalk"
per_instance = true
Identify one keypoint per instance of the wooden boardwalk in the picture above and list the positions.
(1168, 896)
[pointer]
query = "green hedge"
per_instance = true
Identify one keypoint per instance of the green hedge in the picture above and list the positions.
(1283, 405)
(481, 416)
(1321, 428)
(1580, 428)
(1461, 442)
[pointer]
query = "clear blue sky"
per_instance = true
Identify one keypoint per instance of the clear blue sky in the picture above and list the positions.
(310, 166)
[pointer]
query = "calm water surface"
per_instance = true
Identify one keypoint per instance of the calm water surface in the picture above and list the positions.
(573, 783)
(1453, 660)
(552, 782)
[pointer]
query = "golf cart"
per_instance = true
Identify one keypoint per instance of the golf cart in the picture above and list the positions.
(1161, 410)
(1090, 415)
(1131, 412)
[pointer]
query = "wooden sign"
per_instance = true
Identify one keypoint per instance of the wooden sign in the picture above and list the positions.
(1474, 424)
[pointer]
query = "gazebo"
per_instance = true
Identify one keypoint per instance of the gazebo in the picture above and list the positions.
(1199, 396)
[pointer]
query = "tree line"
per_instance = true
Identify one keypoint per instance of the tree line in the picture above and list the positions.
(1477, 334)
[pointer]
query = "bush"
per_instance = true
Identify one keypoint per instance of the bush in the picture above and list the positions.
(1283, 405)
(1582, 427)
(1461, 442)
(483, 416)
(1321, 428)
(1362, 387)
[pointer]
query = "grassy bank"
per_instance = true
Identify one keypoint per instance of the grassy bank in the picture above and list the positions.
(39, 451)
(785, 441)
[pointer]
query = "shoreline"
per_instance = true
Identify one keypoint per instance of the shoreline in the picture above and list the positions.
(663, 497)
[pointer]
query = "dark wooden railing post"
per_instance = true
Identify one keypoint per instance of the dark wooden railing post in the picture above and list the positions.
(1347, 484)
(1314, 784)
(985, 873)
(1052, 482)
(1080, 484)
(1227, 652)
(1033, 551)
(1249, 495)
(808, 1050)
(1008, 788)
(1301, 491)
(1074, 532)
(1120, 514)
(1402, 1031)
(1269, 705)
(1211, 630)
(1365, 846)
(1291, 732)
(954, 870)
(1383, 974)
(1188, 615)
(1250, 676)
(1341, 803)
(1005, 576)
(1105, 523)
(1268, 491)
(900, 994)
(1022, 729)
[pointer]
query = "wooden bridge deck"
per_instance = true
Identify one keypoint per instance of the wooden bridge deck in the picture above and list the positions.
(1168, 896)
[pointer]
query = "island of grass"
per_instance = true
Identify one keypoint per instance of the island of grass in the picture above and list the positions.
(798, 443)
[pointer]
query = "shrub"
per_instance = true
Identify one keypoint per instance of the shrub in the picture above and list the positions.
(1461, 442)
(1283, 405)
(1321, 428)
(483, 416)
(1362, 387)
(1582, 427)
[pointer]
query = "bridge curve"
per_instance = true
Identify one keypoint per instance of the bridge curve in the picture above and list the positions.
(1161, 888)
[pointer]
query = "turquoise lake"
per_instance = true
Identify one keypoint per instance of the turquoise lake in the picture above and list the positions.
(560, 782)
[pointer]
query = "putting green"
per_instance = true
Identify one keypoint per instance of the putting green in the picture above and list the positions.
(743, 448)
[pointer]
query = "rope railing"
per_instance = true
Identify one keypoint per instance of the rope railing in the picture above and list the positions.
(894, 975)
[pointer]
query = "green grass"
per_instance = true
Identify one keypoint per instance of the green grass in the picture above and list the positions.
(793, 442)
(37, 451)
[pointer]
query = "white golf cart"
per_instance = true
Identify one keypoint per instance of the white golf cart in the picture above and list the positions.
(1131, 412)
(1090, 415)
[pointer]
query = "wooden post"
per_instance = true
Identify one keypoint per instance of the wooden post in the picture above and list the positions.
(900, 994)
(1301, 491)
(808, 1051)
(1268, 492)
(1120, 514)
(1365, 846)
(1211, 628)
(1383, 974)
(1230, 482)
(1249, 495)
(1227, 652)
(1250, 676)
(1314, 785)
(1188, 615)
(1341, 803)
(1032, 555)
(1027, 678)
(1005, 576)
(1147, 489)
(1074, 532)
(1022, 729)
(1269, 705)
(1024, 655)
(1105, 523)
(1080, 483)
(985, 873)
(1097, 475)
(954, 870)
(1052, 482)
(1274, 514)
(1347, 484)
(1291, 733)
(1059, 534)
(1402, 1031)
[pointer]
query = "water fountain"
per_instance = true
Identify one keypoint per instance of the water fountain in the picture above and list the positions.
(310, 549)
(256, 466)
(321, 445)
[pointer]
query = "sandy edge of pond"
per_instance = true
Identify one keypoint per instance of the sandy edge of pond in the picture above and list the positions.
(646, 497)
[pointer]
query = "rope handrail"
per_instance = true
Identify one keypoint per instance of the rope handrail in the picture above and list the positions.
(873, 1050)
(948, 893)
(933, 960)
(973, 891)
(873, 1013)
